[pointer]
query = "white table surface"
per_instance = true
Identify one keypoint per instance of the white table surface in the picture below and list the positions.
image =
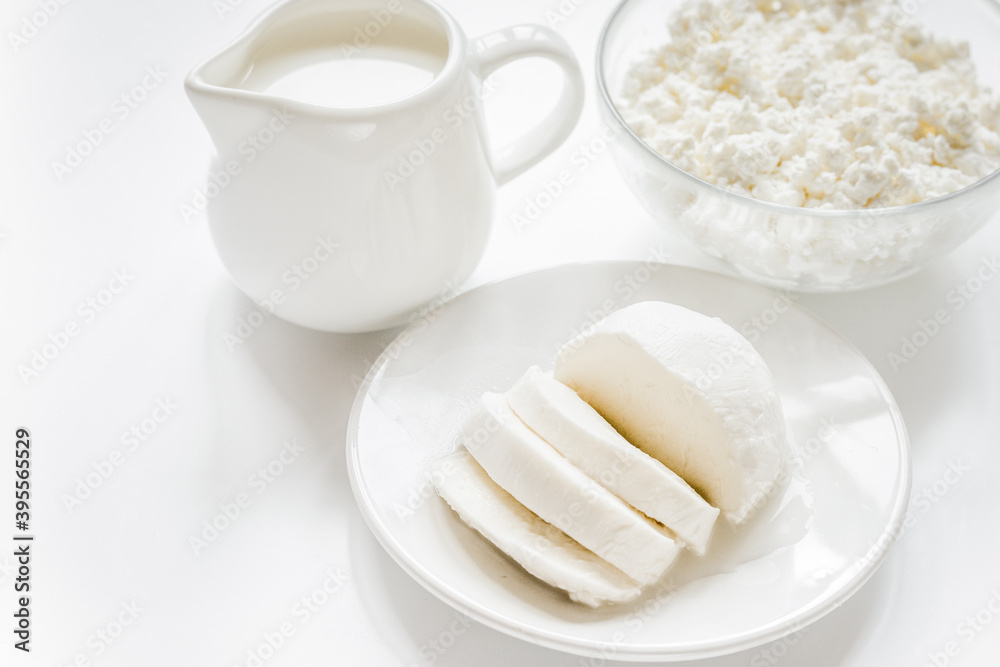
(124, 553)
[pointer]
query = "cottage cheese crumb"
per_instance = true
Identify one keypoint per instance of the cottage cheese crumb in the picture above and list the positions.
(828, 104)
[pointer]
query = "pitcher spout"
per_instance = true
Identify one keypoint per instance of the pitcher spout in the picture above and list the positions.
(230, 114)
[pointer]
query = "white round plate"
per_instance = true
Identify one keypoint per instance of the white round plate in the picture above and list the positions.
(817, 540)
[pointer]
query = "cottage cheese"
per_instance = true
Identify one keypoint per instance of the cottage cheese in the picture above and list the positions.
(829, 104)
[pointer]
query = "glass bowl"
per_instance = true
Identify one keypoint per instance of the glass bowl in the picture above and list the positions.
(788, 247)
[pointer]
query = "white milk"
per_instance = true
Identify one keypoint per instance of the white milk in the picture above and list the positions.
(339, 65)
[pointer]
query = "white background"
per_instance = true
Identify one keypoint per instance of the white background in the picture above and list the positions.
(162, 337)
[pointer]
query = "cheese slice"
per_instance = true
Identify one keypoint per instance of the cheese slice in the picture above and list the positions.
(545, 482)
(542, 549)
(689, 391)
(578, 432)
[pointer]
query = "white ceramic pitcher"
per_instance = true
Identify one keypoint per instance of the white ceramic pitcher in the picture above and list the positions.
(349, 219)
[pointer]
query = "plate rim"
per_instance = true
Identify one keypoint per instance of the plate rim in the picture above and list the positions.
(782, 627)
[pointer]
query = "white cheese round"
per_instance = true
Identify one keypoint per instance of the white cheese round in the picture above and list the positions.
(689, 391)
(578, 432)
(542, 549)
(542, 480)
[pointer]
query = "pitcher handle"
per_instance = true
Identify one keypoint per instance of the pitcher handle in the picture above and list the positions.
(499, 48)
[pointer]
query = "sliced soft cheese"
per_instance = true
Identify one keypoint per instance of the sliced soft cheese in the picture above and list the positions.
(545, 482)
(689, 391)
(578, 432)
(542, 549)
